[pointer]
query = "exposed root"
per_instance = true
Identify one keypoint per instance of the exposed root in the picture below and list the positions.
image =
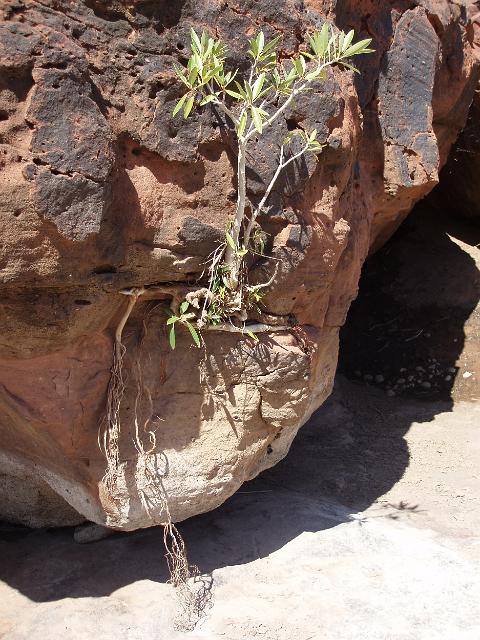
(193, 589)
(109, 444)
(259, 327)
(194, 297)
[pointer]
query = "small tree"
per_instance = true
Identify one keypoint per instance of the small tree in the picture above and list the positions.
(250, 106)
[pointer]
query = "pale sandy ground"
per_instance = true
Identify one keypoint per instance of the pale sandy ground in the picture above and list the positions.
(368, 530)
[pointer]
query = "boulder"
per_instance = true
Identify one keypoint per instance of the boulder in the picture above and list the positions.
(103, 190)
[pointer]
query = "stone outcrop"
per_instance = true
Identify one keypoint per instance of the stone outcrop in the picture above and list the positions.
(458, 191)
(102, 190)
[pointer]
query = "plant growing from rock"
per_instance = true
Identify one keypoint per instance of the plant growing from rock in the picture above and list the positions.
(250, 106)
(224, 296)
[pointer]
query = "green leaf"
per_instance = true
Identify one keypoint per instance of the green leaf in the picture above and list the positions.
(234, 94)
(252, 335)
(209, 49)
(242, 124)
(179, 104)
(313, 74)
(347, 41)
(196, 46)
(257, 87)
(260, 42)
(208, 99)
(299, 64)
(320, 39)
(291, 75)
(188, 107)
(230, 241)
(248, 92)
(172, 320)
(192, 76)
(194, 333)
(197, 62)
(359, 47)
(184, 306)
(257, 119)
(271, 45)
(241, 91)
(180, 73)
(171, 337)
(331, 49)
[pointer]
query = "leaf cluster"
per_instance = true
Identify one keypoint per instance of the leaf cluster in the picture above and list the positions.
(185, 319)
(251, 103)
(207, 81)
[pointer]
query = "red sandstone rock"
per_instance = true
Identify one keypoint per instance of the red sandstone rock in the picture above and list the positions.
(101, 189)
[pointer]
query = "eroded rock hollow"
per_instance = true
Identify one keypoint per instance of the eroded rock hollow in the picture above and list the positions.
(102, 190)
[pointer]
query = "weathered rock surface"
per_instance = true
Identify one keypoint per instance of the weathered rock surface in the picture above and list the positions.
(286, 555)
(458, 191)
(101, 189)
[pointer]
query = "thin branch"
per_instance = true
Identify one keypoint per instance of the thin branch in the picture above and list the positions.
(262, 202)
(227, 111)
(295, 92)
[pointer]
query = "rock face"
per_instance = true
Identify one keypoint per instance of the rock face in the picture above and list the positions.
(458, 191)
(101, 190)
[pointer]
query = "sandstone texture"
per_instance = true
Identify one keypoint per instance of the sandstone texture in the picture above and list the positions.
(458, 191)
(102, 190)
(288, 559)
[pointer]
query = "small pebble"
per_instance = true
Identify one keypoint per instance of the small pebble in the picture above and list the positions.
(451, 370)
(467, 374)
(426, 385)
(390, 393)
(401, 381)
(379, 378)
(419, 369)
(368, 377)
(448, 378)
(411, 378)
(403, 370)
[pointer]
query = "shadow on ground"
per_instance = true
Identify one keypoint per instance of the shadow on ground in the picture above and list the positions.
(351, 452)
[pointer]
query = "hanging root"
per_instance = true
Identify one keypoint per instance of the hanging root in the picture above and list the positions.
(193, 589)
(109, 444)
